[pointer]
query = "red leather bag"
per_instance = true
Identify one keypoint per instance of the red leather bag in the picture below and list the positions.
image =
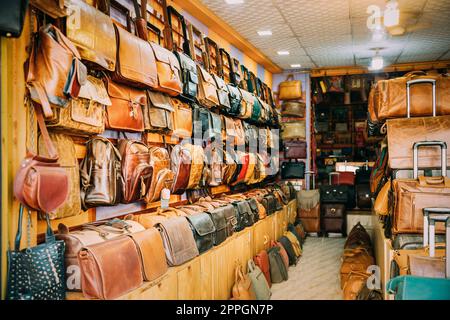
(343, 178)
(262, 261)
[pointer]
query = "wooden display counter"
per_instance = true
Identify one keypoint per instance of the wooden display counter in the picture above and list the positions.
(210, 276)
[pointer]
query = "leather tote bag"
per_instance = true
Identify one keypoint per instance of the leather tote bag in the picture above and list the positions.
(169, 71)
(203, 230)
(189, 76)
(278, 271)
(293, 130)
(293, 108)
(242, 288)
(262, 261)
(106, 263)
(36, 273)
(290, 89)
(178, 239)
(207, 89)
(295, 149)
(93, 34)
(259, 282)
(292, 170)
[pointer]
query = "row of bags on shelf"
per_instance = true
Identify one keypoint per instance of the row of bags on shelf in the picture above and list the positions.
(270, 266)
(140, 246)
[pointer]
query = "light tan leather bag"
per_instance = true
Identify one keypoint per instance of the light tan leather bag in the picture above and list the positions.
(242, 288)
(93, 34)
(293, 130)
(381, 206)
(198, 160)
(182, 119)
(162, 176)
(290, 89)
(207, 89)
(168, 66)
(248, 100)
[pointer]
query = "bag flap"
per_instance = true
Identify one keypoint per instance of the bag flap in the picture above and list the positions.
(248, 97)
(244, 207)
(218, 217)
(122, 92)
(253, 205)
(206, 76)
(235, 93)
(202, 224)
(221, 85)
(94, 89)
(52, 187)
(187, 63)
(165, 56)
(160, 100)
(193, 77)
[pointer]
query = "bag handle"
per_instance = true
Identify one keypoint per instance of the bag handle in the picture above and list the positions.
(251, 265)
(417, 145)
(408, 93)
(52, 152)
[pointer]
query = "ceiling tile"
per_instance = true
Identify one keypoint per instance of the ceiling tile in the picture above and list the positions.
(405, 58)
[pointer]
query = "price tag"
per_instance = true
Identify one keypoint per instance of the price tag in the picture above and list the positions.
(165, 198)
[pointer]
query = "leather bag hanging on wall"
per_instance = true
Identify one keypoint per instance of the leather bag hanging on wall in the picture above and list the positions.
(207, 89)
(160, 112)
(293, 108)
(169, 71)
(293, 130)
(189, 76)
(84, 115)
(235, 101)
(182, 119)
(68, 161)
(136, 62)
(248, 100)
(126, 111)
(162, 176)
(294, 149)
(101, 174)
(93, 34)
(222, 93)
(242, 288)
(259, 282)
(292, 170)
(180, 164)
(197, 164)
(100, 264)
(290, 89)
(54, 8)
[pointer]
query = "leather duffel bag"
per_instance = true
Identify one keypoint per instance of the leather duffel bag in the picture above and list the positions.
(355, 260)
(357, 238)
(293, 108)
(169, 71)
(292, 170)
(178, 239)
(262, 261)
(180, 164)
(106, 263)
(203, 230)
(242, 288)
(294, 149)
(278, 270)
(290, 89)
(160, 113)
(189, 76)
(355, 283)
(136, 62)
(98, 47)
(259, 282)
(293, 130)
(207, 89)
(182, 119)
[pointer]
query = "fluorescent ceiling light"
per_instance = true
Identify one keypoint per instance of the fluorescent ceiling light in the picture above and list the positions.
(234, 1)
(391, 14)
(296, 65)
(263, 33)
(283, 53)
(377, 63)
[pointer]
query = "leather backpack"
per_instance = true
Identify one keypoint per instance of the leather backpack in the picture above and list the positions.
(160, 113)
(168, 68)
(162, 175)
(180, 164)
(278, 270)
(182, 119)
(189, 76)
(262, 261)
(136, 169)
(222, 92)
(101, 174)
(289, 249)
(207, 89)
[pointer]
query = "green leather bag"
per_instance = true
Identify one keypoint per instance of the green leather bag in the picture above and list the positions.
(36, 273)
(419, 288)
(256, 111)
(259, 282)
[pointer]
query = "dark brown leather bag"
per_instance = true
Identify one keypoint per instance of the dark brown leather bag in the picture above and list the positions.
(136, 169)
(294, 149)
(40, 182)
(110, 269)
(126, 111)
(293, 108)
(180, 164)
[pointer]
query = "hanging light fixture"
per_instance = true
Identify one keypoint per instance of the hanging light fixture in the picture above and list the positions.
(391, 14)
(377, 62)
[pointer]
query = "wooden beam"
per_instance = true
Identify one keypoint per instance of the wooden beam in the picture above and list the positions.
(350, 70)
(223, 29)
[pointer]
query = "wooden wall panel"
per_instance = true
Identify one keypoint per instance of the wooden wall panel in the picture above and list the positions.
(189, 281)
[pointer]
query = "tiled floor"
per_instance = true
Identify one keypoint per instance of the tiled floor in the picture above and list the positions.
(316, 276)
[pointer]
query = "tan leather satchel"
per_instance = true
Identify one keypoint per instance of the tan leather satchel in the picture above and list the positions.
(242, 288)
(110, 269)
(136, 63)
(290, 89)
(198, 160)
(248, 100)
(293, 130)
(169, 71)
(150, 248)
(160, 113)
(381, 206)
(222, 92)
(84, 115)
(293, 108)
(182, 119)
(207, 89)
(162, 175)
(68, 161)
(92, 32)
(126, 111)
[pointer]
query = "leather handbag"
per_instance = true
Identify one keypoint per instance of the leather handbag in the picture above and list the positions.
(150, 248)
(182, 119)
(295, 149)
(126, 110)
(178, 239)
(136, 169)
(55, 72)
(259, 282)
(160, 113)
(287, 244)
(36, 273)
(242, 288)
(290, 89)
(203, 230)
(381, 205)
(11, 24)
(169, 71)
(278, 271)
(100, 174)
(343, 178)
(189, 76)
(292, 170)
(244, 215)
(180, 164)
(106, 263)
(93, 34)
(162, 176)
(220, 224)
(293, 130)
(262, 261)
(293, 108)
(207, 89)
(247, 103)
(222, 93)
(84, 115)
(40, 182)
(197, 165)
(68, 161)
(235, 101)
(257, 111)
(363, 198)
(136, 61)
(90, 234)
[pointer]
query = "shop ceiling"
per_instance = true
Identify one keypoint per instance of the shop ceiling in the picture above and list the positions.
(330, 33)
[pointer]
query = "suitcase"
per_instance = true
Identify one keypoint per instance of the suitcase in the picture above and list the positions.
(338, 193)
(343, 178)
(333, 218)
(412, 195)
(308, 204)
